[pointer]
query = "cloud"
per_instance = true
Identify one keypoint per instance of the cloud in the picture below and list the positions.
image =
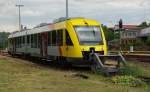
(105, 11)
(32, 13)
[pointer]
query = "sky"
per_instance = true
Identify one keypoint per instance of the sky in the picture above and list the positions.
(108, 12)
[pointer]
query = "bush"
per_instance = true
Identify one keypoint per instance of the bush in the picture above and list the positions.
(127, 81)
(139, 43)
(148, 41)
(131, 71)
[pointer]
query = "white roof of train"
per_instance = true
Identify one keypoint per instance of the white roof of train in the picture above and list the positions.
(46, 28)
(31, 31)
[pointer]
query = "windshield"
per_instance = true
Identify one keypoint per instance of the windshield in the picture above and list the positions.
(89, 35)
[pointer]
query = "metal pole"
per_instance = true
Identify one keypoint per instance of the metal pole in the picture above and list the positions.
(120, 29)
(19, 6)
(120, 37)
(67, 12)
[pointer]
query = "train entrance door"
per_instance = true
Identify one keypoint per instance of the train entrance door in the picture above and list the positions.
(44, 42)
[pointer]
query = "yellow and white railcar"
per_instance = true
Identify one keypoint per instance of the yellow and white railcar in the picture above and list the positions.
(71, 39)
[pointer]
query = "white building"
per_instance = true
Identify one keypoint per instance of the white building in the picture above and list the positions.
(145, 32)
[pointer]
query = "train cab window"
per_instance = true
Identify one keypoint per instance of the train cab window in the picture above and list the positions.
(60, 37)
(68, 39)
(49, 38)
(54, 38)
(89, 35)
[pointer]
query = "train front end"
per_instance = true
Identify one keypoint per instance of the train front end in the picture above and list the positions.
(87, 37)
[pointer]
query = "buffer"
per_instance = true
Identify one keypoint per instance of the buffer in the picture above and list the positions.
(108, 64)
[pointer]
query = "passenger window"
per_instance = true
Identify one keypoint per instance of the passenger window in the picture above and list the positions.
(68, 39)
(32, 41)
(15, 42)
(39, 40)
(60, 37)
(28, 39)
(23, 38)
(49, 38)
(19, 42)
(54, 38)
(35, 40)
(18, 45)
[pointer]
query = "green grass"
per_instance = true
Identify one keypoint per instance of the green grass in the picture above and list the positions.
(22, 76)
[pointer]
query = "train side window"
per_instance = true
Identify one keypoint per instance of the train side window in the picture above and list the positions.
(49, 38)
(18, 45)
(54, 38)
(35, 41)
(60, 37)
(23, 40)
(16, 40)
(32, 41)
(19, 42)
(68, 39)
(39, 40)
(28, 39)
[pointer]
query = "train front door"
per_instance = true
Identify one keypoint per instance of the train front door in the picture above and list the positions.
(44, 44)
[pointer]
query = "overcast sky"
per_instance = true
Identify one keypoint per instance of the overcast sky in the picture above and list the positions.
(107, 12)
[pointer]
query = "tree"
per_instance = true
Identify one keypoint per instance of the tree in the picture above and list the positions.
(148, 40)
(109, 33)
(144, 24)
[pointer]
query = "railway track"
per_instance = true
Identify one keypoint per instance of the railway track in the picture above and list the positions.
(138, 57)
(133, 56)
(141, 56)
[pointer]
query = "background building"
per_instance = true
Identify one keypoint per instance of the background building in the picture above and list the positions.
(129, 33)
